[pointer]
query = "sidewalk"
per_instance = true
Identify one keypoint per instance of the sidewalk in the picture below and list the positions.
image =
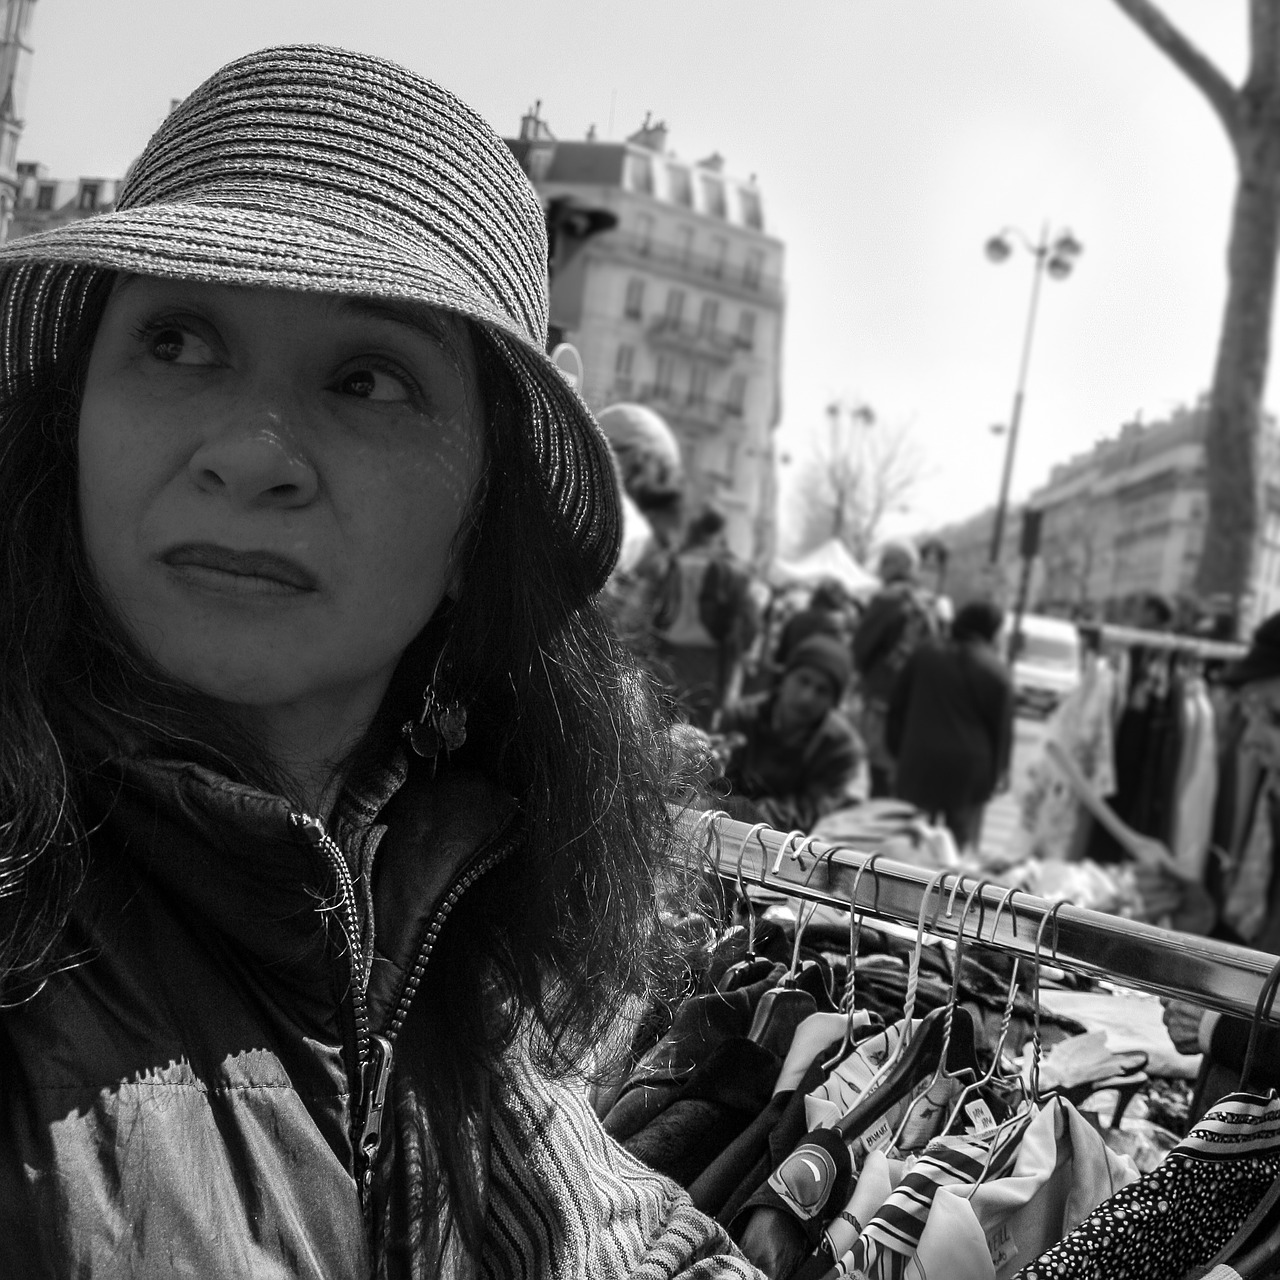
(1001, 816)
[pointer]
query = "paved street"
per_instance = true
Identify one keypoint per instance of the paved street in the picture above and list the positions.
(1001, 816)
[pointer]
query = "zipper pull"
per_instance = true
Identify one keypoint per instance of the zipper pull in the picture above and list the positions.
(310, 827)
(377, 1074)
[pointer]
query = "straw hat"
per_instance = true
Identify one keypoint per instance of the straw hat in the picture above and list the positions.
(322, 170)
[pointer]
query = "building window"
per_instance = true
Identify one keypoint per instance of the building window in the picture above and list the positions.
(633, 309)
(44, 197)
(640, 173)
(713, 197)
(89, 195)
(698, 385)
(622, 368)
(644, 234)
(675, 306)
(747, 330)
(736, 400)
(684, 246)
(680, 185)
(731, 461)
(665, 377)
(708, 316)
(752, 214)
(754, 269)
(719, 255)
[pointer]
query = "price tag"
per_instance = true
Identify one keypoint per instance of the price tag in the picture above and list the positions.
(1000, 1243)
(981, 1121)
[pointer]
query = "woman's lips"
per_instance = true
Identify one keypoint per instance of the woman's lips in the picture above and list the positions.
(242, 564)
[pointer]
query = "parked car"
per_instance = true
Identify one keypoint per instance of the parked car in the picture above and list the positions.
(1046, 663)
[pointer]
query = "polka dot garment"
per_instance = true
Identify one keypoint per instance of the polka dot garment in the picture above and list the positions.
(1182, 1213)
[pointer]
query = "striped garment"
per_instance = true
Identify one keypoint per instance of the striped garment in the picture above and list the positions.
(565, 1201)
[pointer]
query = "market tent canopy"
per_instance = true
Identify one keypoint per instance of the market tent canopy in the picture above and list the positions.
(830, 560)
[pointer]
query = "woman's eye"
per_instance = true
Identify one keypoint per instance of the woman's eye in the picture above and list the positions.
(371, 383)
(175, 345)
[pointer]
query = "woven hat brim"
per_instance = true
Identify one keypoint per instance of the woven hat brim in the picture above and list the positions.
(45, 277)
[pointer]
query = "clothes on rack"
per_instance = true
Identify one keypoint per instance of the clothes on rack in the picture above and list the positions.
(1178, 1216)
(905, 1143)
(1050, 819)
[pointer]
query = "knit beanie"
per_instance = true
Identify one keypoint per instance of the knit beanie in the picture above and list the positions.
(826, 654)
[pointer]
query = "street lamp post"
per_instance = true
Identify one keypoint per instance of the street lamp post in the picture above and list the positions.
(1055, 253)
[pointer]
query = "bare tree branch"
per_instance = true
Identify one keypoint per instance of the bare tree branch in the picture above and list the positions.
(1189, 60)
(856, 476)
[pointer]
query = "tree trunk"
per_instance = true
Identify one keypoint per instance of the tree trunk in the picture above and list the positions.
(1240, 372)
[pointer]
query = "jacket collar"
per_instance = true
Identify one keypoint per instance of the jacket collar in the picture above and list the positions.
(235, 859)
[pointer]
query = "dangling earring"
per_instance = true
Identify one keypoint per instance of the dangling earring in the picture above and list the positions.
(442, 725)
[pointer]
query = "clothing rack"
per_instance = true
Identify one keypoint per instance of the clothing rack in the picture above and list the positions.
(1130, 953)
(1168, 641)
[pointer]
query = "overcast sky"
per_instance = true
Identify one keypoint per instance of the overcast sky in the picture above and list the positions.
(890, 139)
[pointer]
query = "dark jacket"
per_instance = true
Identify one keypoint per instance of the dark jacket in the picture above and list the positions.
(950, 726)
(898, 619)
(791, 789)
(191, 1097)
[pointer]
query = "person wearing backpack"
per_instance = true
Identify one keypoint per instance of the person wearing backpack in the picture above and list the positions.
(705, 619)
(899, 618)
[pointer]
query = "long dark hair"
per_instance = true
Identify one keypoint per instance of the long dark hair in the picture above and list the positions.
(547, 949)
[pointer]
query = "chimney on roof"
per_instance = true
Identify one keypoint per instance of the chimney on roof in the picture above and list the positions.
(651, 136)
(533, 128)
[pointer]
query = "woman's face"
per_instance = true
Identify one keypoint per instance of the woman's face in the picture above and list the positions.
(271, 484)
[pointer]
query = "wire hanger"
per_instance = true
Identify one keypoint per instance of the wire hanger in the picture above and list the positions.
(856, 917)
(1050, 915)
(786, 996)
(941, 1071)
(1006, 1017)
(728, 979)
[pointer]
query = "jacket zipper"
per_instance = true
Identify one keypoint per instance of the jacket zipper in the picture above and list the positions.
(376, 1053)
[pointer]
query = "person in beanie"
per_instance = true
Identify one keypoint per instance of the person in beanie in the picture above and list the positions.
(793, 757)
(950, 723)
(335, 825)
(898, 619)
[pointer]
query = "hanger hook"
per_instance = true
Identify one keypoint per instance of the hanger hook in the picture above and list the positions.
(783, 850)
(1050, 915)
(1013, 915)
(802, 920)
(913, 969)
(742, 887)
(856, 917)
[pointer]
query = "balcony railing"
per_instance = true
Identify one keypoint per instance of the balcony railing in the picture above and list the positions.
(679, 404)
(715, 344)
(745, 278)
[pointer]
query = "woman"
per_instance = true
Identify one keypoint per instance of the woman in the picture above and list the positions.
(331, 817)
(950, 723)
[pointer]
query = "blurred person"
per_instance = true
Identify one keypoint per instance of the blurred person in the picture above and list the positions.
(705, 619)
(651, 472)
(1220, 1037)
(949, 726)
(828, 612)
(1155, 612)
(335, 820)
(792, 757)
(897, 620)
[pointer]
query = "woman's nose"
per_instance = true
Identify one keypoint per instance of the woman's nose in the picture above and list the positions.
(255, 461)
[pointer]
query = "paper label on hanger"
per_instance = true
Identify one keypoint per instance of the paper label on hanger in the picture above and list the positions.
(981, 1121)
(878, 1137)
(1000, 1243)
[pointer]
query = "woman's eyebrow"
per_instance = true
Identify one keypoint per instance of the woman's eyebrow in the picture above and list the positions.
(424, 321)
